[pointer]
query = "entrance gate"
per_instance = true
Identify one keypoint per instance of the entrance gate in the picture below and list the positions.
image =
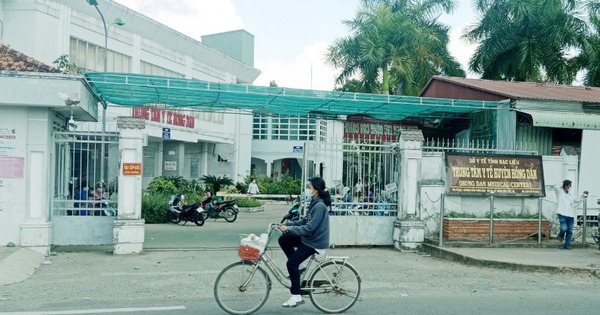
(363, 182)
(84, 203)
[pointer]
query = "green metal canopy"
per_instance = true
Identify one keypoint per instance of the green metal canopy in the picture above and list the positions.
(127, 89)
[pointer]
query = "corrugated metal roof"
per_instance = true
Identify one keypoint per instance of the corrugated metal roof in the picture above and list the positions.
(564, 119)
(526, 90)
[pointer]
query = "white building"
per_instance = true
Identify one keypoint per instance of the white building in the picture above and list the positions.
(37, 109)
(142, 45)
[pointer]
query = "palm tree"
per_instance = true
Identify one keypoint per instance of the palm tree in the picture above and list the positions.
(527, 40)
(395, 41)
(589, 58)
(216, 182)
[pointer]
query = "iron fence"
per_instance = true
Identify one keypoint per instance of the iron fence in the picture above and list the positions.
(86, 173)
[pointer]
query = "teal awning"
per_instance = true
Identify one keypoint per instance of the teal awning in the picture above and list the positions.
(127, 89)
(572, 120)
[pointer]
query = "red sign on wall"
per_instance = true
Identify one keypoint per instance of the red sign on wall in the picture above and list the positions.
(11, 167)
(164, 116)
(132, 168)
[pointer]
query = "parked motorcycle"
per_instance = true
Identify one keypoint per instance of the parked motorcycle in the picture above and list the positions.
(219, 209)
(179, 212)
(294, 212)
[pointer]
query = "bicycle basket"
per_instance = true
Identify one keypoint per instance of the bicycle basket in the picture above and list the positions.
(250, 248)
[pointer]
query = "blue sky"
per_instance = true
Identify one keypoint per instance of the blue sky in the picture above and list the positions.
(291, 36)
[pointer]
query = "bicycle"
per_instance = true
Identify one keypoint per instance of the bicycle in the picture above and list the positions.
(243, 287)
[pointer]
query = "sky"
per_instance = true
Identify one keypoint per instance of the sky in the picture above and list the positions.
(290, 36)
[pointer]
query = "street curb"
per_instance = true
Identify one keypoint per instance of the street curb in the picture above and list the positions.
(466, 260)
(251, 209)
(22, 263)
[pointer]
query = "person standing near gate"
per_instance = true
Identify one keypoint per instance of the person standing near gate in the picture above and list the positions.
(566, 211)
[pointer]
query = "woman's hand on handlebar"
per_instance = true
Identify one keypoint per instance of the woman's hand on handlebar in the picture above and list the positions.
(282, 228)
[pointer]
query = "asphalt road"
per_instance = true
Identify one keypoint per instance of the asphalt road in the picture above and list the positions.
(179, 280)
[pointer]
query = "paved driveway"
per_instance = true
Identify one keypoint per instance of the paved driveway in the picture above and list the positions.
(214, 234)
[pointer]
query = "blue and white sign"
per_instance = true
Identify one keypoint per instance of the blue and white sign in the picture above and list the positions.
(166, 133)
(298, 149)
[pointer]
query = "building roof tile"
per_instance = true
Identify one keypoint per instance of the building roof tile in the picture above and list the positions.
(526, 90)
(12, 60)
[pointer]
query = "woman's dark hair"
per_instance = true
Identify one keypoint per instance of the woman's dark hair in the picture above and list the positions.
(319, 185)
(566, 183)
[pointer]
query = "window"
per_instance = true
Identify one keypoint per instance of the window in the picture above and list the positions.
(148, 68)
(91, 57)
(323, 130)
(284, 128)
(260, 127)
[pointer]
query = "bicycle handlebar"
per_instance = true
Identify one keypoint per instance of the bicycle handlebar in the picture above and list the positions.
(272, 226)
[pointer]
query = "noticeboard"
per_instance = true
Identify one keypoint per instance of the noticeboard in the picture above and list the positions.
(505, 175)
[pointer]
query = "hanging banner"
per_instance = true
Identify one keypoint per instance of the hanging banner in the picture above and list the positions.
(504, 175)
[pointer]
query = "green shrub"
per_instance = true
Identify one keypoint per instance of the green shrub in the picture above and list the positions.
(215, 183)
(229, 190)
(241, 187)
(457, 215)
(154, 208)
(285, 186)
(512, 215)
(161, 185)
(247, 202)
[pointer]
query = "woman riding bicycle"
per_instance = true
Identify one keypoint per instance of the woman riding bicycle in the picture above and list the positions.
(303, 238)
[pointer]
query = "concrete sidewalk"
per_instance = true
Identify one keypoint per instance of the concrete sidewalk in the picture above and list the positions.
(548, 259)
(18, 264)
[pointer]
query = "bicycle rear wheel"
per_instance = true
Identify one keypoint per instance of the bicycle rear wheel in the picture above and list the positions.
(242, 288)
(334, 286)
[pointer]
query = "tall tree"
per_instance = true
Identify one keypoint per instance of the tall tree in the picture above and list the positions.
(527, 40)
(395, 46)
(589, 58)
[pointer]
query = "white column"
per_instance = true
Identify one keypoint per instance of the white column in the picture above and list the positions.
(589, 168)
(409, 229)
(269, 167)
(136, 52)
(181, 160)
(36, 231)
(128, 229)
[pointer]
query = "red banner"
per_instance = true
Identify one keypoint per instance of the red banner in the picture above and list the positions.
(164, 116)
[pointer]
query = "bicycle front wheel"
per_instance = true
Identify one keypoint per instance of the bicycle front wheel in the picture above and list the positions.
(334, 286)
(242, 288)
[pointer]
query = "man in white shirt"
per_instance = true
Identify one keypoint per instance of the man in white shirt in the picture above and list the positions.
(566, 211)
(253, 188)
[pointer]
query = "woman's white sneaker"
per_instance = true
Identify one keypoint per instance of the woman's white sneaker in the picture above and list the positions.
(293, 301)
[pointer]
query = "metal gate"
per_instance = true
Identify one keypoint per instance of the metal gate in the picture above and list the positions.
(363, 180)
(84, 205)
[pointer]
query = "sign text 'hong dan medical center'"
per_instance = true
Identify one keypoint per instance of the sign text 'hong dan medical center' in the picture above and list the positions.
(516, 175)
